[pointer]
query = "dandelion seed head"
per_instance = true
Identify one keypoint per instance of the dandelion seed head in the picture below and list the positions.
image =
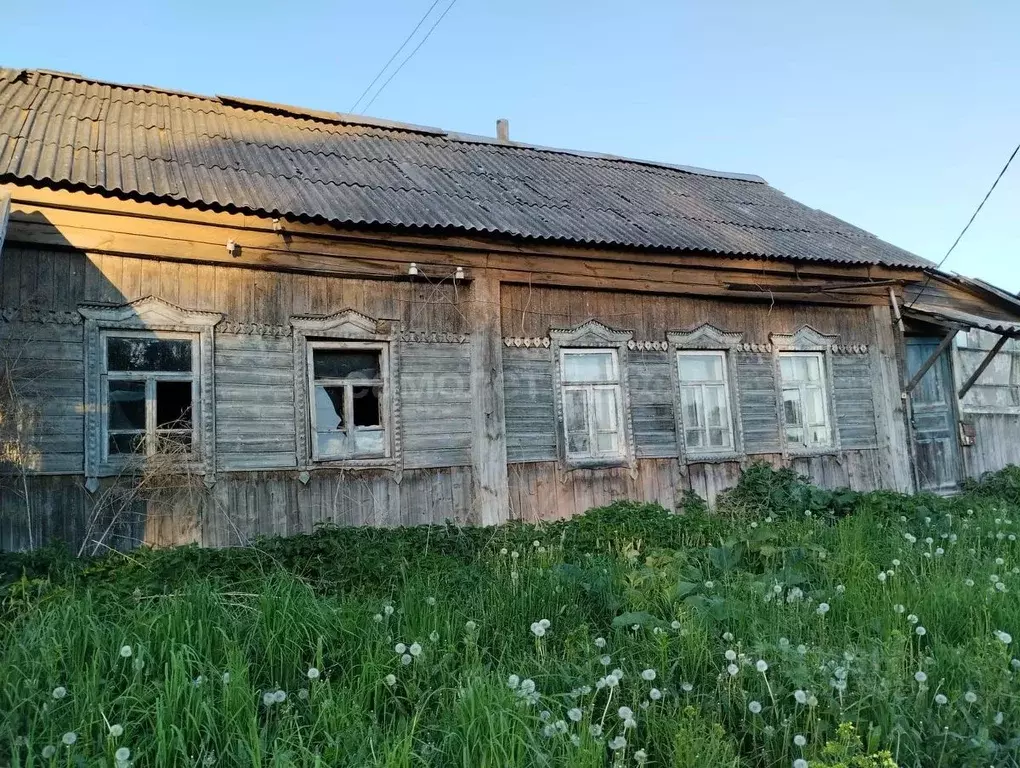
(640, 757)
(388, 610)
(415, 649)
(280, 696)
(822, 609)
(122, 755)
(970, 697)
(313, 673)
(800, 762)
(800, 696)
(968, 582)
(600, 642)
(881, 576)
(48, 751)
(733, 669)
(648, 674)
(728, 637)
(390, 680)
(605, 661)
(840, 589)
(761, 665)
(377, 618)
(69, 738)
(575, 714)
(625, 713)
(799, 740)
(912, 618)
(655, 694)
(302, 694)
(920, 631)
(406, 659)
(537, 629)
(513, 681)
(268, 699)
(59, 692)
(731, 655)
(617, 743)
(629, 724)
(434, 636)
(125, 651)
(940, 699)
(920, 676)
(1004, 637)
(754, 707)
(674, 624)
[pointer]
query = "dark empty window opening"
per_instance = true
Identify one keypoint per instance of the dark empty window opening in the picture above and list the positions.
(150, 393)
(348, 396)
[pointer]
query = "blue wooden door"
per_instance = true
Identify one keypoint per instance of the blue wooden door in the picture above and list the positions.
(933, 419)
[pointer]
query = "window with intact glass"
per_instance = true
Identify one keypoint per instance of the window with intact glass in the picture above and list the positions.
(348, 397)
(805, 403)
(592, 405)
(705, 402)
(150, 394)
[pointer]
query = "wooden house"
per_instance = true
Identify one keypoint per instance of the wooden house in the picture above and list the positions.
(302, 317)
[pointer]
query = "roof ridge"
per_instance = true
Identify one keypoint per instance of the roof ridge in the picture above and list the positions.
(343, 118)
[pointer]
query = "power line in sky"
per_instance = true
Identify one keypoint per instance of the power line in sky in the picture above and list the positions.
(969, 222)
(411, 54)
(396, 53)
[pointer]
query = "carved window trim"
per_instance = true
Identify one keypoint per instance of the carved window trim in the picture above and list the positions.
(347, 325)
(708, 338)
(597, 336)
(160, 319)
(810, 340)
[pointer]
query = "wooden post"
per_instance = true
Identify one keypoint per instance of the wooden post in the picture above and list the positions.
(984, 364)
(488, 445)
(896, 309)
(890, 408)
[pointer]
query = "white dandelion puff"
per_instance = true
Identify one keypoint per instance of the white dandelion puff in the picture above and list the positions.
(537, 629)
(434, 636)
(754, 707)
(59, 692)
(800, 696)
(513, 681)
(733, 669)
(415, 649)
(920, 631)
(731, 655)
(313, 673)
(302, 694)
(800, 762)
(761, 665)
(69, 738)
(799, 740)
(640, 757)
(675, 624)
(822, 609)
(970, 697)
(125, 651)
(400, 648)
(728, 637)
(1004, 637)
(122, 755)
(648, 674)
(600, 642)
(48, 751)
(406, 659)
(377, 618)
(655, 694)
(605, 661)
(388, 610)
(390, 680)
(941, 699)
(625, 713)
(920, 676)
(575, 714)
(280, 696)
(268, 699)
(617, 743)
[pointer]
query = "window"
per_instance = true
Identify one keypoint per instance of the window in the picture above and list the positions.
(348, 396)
(592, 407)
(705, 402)
(805, 407)
(149, 388)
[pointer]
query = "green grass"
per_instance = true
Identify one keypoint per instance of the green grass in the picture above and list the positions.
(213, 636)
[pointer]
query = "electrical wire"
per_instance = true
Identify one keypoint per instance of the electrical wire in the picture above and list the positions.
(411, 54)
(959, 237)
(395, 54)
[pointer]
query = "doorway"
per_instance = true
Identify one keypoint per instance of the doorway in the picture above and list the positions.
(933, 418)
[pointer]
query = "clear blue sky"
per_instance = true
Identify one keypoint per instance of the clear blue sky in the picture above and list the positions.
(893, 115)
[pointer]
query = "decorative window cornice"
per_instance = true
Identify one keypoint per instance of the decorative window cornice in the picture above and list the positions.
(705, 336)
(345, 324)
(590, 334)
(153, 315)
(754, 348)
(806, 339)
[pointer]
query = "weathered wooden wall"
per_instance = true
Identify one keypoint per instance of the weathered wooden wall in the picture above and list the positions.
(540, 486)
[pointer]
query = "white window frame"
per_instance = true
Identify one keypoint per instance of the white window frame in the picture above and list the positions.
(590, 388)
(150, 378)
(802, 388)
(156, 318)
(348, 385)
(705, 449)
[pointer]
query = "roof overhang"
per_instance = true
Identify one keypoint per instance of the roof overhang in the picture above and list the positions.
(959, 320)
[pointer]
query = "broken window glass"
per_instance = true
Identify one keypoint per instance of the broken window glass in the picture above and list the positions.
(126, 353)
(349, 393)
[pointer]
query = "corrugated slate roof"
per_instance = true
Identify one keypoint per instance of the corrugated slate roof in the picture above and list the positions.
(240, 155)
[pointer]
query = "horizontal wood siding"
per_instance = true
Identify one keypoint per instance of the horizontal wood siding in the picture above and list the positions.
(42, 369)
(756, 390)
(652, 402)
(854, 401)
(529, 404)
(254, 402)
(435, 404)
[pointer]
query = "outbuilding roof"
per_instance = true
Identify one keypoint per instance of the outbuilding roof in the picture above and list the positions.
(233, 154)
